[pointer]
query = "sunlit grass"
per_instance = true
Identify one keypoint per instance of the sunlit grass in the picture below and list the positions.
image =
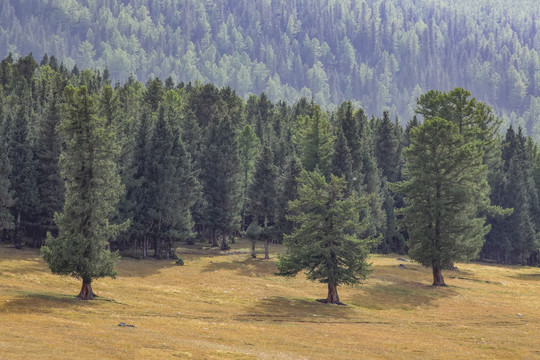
(231, 306)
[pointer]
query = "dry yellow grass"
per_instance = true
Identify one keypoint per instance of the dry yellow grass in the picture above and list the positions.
(233, 307)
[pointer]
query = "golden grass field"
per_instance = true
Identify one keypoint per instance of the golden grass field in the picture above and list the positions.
(232, 307)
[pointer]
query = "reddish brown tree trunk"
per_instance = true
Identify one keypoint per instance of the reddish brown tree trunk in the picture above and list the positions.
(438, 279)
(86, 291)
(333, 297)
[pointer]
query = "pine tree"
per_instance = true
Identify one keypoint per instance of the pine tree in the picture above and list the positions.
(326, 242)
(23, 171)
(387, 148)
(342, 160)
(172, 188)
(315, 141)
(513, 239)
(50, 183)
(248, 150)
(349, 121)
(287, 191)
(93, 188)
(139, 199)
(262, 192)
(446, 186)
(6, 199)
(221, 181)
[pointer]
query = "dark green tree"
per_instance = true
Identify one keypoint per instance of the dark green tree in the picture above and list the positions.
(93, 188)
(221, 180)
(387, 149)
(315, 141)
(172, 187)
(48, 147)
(326, 242)
(342, 161)
(248, 150)
(287, 191)
(6, 199)
(262, 192)
(23, 176)
(446, 187)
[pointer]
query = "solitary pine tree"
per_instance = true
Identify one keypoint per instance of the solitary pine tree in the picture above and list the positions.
(262, 193)
(446, 186)
(93, 188)
(326, 242)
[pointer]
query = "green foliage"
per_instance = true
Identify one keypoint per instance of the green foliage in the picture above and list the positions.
(6, 199)
(315, 141)
(93, 188)
(326, 242)
(446, 186)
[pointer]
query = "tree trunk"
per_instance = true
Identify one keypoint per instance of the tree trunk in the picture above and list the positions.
(145, 247)
(266, 254)
(333, 297)
(16, 242)
(253, 254)
(86, 291)
(214, 238)
(438, 279)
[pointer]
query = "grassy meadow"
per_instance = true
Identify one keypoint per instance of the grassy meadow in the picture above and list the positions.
(230, 306)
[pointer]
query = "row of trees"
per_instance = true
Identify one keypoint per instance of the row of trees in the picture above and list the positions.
(197, 162)
(384, 54)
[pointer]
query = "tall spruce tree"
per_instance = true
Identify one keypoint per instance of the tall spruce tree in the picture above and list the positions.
(326, 242)
(248, 150)
(387, 148)
(315, 141)
(262, 192)
(446, 187)
(287, 191)
(221, 180)
(49, 181)
(6, 198)
(172, 187)
(23, 176)
(93, 188)
(513, 239)
(342, 161)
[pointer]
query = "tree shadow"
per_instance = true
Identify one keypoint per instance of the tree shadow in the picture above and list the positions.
(43, 302)
(407, 295)
(246, 267)
(290, 310)
(391, 287)
(527, 277)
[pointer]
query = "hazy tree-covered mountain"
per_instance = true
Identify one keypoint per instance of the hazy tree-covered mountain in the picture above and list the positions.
(382, 54)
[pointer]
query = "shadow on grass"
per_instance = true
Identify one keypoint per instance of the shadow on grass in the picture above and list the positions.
(404, 296)
(130, 267)
(246, 267)
(32, 302)
(528, 277)
(282, 309)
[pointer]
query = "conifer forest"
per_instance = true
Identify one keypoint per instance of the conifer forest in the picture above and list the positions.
(336, 129)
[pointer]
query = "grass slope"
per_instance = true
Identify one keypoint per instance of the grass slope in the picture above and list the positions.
(233, 307)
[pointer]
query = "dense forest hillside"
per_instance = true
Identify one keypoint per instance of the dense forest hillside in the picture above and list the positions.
(381, 54)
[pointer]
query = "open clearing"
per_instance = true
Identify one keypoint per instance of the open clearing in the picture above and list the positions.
(233, 307)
